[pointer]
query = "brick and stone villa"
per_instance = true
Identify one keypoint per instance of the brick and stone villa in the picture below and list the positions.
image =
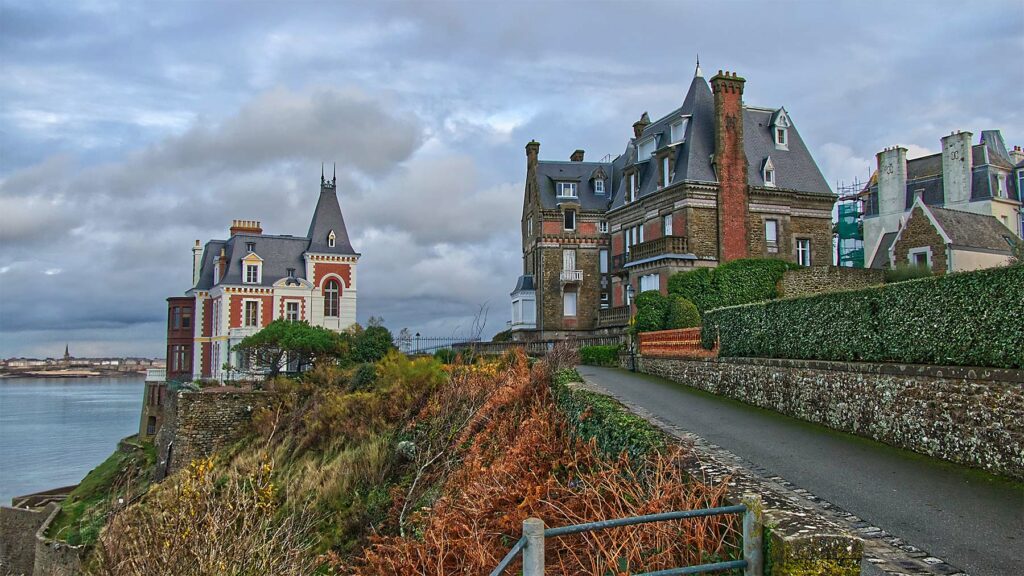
(711, 181)
(241, 284)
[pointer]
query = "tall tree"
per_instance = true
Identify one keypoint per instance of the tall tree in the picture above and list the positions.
(285, 342)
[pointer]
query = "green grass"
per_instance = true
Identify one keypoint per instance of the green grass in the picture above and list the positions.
(85, 511)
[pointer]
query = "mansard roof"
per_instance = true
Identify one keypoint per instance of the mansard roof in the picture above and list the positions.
(279, 253)
(551, 172)
(795, 167)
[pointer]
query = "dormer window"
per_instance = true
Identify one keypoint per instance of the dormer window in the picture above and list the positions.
(780, 129)
(599, 187)
(768, 172)
(330, 239)
(645, 149)
(567, 189)
(666, 176)
(679, 130)
(252, 269)
(252, 273)
(631, 192)
(250, 247)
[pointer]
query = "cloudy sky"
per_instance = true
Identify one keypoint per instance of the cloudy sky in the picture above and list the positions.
(130, 129)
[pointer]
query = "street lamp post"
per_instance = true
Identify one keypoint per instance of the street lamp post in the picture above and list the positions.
(417, 342)
(632, 337)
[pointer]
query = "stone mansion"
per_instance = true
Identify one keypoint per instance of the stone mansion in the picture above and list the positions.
(711, 181)
(241, 284)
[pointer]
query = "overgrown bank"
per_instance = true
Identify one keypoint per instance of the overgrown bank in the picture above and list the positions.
(423, 469)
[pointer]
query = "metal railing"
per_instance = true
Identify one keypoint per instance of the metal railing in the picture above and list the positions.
(531, 545)
(537, 347)
(567, 276)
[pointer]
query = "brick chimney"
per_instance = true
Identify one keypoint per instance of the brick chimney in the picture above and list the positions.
(197, 260)
(956, 168)
(1017, 154)
(730, 166)
(246, 227)
(639, 125)
(577, 156)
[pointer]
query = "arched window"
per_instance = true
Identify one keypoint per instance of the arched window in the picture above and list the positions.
(331, 297)
(330, 239)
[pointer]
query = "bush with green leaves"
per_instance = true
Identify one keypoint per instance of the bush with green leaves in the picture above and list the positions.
(735, 282)
(446, 355)
(599, 355)
(966, 319)
(907, 272)
(283, 342)
(651, 307)
(680, 313)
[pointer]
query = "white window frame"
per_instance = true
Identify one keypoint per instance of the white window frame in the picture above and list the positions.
(665, 176)
(666, 225)
(288, 310)
(250, 247)
(566, 216)
(1002, 188)
(245, 314)
(331, 239)
(769, 177)
(641, 227)
(257, 272)
(633, 186)
(678, 130)
(568, 259)
(644, 150)
(914, 252)
(649, 282)
(602, 226)
(569, 302)
(567, 190)
(781, 137)
(602, 261)
(529, 225)
(803, 246)
(599, 186)
(771, 234)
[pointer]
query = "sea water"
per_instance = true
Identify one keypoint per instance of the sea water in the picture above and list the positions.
(53, 431)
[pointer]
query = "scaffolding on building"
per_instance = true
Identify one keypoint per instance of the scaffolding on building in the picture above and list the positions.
(849, 229)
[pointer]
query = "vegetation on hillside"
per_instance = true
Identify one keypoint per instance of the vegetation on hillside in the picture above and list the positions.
(423, 468)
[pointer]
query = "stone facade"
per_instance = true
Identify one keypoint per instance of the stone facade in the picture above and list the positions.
(917, 234)
(18, 528)
(197, 424)
(818, 279)
(967, 416)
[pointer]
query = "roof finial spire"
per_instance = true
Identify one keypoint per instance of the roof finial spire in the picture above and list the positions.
(697, 73)
(334, 178)
(322, 179)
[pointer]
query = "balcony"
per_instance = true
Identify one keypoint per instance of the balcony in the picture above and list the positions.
(658, 247)
(608, 317)
(570, 276)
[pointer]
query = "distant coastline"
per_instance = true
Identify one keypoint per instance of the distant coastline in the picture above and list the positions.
(69, 373)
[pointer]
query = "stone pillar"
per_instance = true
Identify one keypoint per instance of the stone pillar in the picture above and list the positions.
(892, 180)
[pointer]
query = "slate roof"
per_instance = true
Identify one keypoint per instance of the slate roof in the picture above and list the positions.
(795, 168)
(969, 230)
(550, 172)
(279, 252)
(524, 282)
(327, 217)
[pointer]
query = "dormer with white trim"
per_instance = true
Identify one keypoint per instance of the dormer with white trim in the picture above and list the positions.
(331, 239)
(768, 173)
(252, 269)
(780, 129)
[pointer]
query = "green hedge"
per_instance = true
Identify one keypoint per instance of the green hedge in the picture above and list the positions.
(599, 355)
(681, 313)
(657, 312)
(968, 319)
(614, 428)
(736, 282)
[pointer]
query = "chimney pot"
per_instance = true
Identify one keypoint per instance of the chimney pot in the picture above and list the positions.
(577, 156)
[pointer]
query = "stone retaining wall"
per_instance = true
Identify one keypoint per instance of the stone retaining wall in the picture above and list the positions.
(972, 417)
(55, 558)
(18, 528)
(818, 279)
(197, 424)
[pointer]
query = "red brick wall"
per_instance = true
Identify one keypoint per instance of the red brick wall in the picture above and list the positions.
(652, 229)
(618, 246)
(679, 223)
(552, 227)
(207, 318)
(323, 269)
(587, 228)
(237, 309)
(731, 166)
(207, 352)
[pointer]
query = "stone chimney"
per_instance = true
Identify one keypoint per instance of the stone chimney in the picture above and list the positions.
(892, 180)
(222, 265)
(639, 125)
(246, 227)
(577, 156)
(730, 163)
(197, 261)
(956, 168)
(532, 150)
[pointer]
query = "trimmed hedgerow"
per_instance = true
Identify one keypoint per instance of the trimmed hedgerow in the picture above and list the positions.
(613, 428)
(680, 313)
(599, 355)
(736, 282)
(967, 319)
(651, 308)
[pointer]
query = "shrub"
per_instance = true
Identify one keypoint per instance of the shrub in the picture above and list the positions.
(907, 272)
(736, 282)
(599, 355)
(364, 376)
(970, 319)
(446, 355)
(651, 307)
(681, 313)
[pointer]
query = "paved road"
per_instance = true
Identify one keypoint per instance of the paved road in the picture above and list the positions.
(972, 520)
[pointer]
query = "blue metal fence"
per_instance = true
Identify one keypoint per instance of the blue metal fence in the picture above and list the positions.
(531, 545)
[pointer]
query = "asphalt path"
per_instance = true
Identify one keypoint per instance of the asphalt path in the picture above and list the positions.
(970, 519)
